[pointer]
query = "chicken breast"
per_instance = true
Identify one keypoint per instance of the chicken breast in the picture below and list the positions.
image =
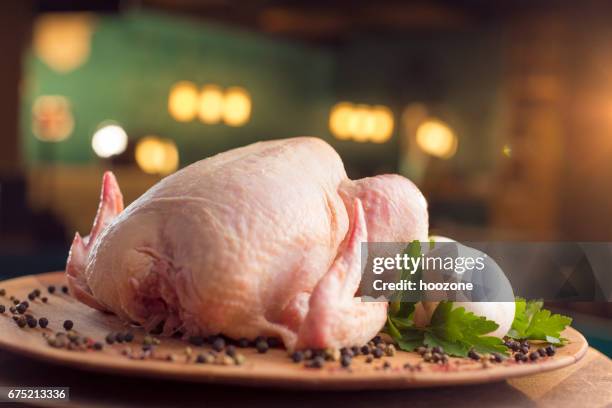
(259, 240)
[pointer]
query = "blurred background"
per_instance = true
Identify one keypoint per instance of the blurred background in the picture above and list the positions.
(501, 112)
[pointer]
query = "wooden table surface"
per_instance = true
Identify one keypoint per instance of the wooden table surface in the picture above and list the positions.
(585, 384)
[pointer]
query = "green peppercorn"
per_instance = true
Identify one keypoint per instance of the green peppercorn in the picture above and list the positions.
(68, 325)
(43, 322)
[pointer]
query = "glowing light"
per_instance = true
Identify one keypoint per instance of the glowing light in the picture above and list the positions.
(63, 40)
(361, 123)
(434, 137)
(183, 101)
(383, 124)
(339, 120)
(109, 140)
(507, 150)
(52, 119)
(237, 106)
(155, 155)
(210, 108)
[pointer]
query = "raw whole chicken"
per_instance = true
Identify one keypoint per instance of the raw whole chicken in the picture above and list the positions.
(259, 240)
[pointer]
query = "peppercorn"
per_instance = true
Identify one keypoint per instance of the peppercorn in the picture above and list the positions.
(16, 302)
(345, 351)
(473, 355)
(386, 365)
(68, 325)
(317, 362)
(533, 356)
(428, 356)
(65, 289)
(421, 350)
(15, 318)
(2, 292)
(369, 359)
(110, 338)
(365, 350)
(2, 309)
(119, 337)
(345, 360)
(390, 350)
(26, 303)
(201, 359)
(230, 350)
(377, 340)
(98, 346)
(51, 289)
(243, 342)
(437, 349)
(31, 296)
(550, 350)
(524, 349)
(297, 356)
(147, 347)
(128, 337)
(21, 308)
(44, 299)
(36, 292)
(520, 357)
(43, 322)
(31, 321)
(496, 358)
(13, 310)
(542, 352)
(355, 350)
(261, 346)
(218, 344)
(21, 322)
(308, 354)
(196, 340)
(378, 353)
(239, 359)
(436, 357)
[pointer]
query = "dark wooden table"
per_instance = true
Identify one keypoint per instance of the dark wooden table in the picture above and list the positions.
(585, 384)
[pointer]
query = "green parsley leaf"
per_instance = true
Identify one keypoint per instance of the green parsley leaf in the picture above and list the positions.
(533, 322)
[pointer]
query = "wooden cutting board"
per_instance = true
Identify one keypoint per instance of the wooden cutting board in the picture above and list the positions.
(272, 369)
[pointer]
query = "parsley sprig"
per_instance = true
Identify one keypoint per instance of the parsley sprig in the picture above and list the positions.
(533, 322)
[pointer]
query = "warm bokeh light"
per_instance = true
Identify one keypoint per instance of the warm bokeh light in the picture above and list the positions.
(436, 138)
(183, 101)
(210, 107)
(339, 120)
(383, 124)
(361, 123)
(507, 150)
(52, 119)
(109, 140)
(155, 155)
(63, 40)
(237, 106)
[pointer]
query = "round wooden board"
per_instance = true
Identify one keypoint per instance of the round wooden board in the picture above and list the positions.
(273, 369)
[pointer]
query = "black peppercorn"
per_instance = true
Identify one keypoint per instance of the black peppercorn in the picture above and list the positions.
(98, 346)
(201, 359)
(317, 362)
(21, 322)
(473, 355)
(2, 308)
(119, 337)
(520, 357)
(386, 365)
(437, 349)
(68, 324)
(378, 353)
(31, 296)
(345, 360)
(377, 340)
(65, 289)
(110, 338)
(297, 356)
(262, 346)
(2, 292)
(44, 299)
(230, 350)
(15, 302)
(243, 342)
(36, 292)
(550, 350)
(542, 352)
(21, 308)
(274, 342)
(31, 321)
(365, 350)
(496, 358)
(218, 344)
(533, 356)
(51, 289)
(128, 337)
(13, 310)
(355, 350)
(43, 322)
